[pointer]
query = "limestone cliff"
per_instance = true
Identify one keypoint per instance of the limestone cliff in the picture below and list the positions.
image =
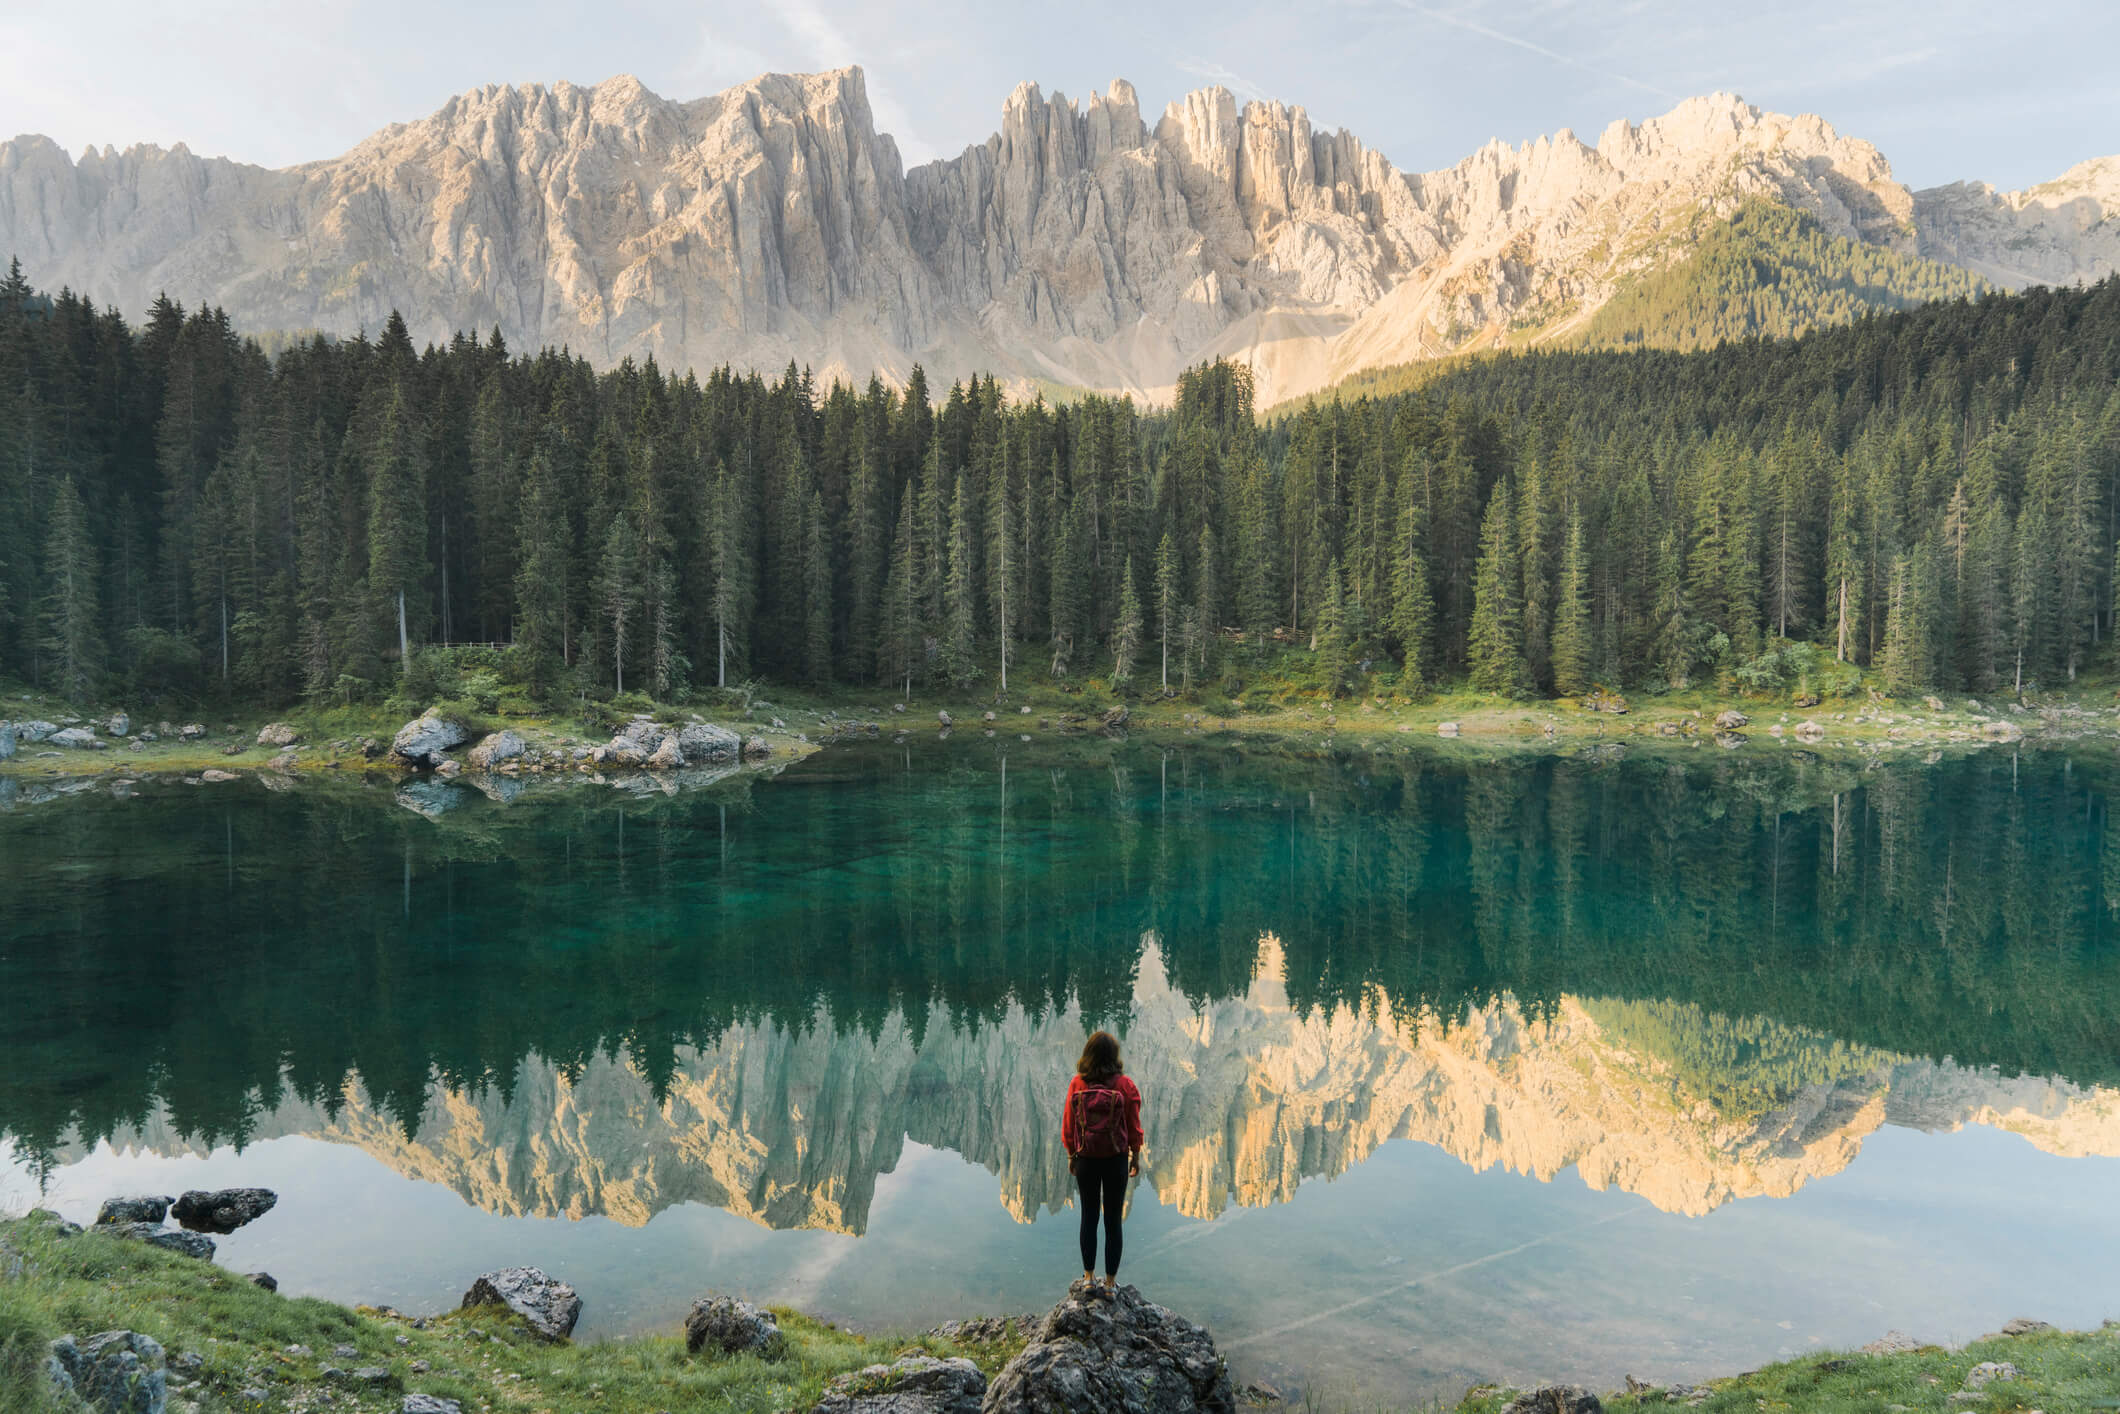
(1246, 1099)
(1078, 245)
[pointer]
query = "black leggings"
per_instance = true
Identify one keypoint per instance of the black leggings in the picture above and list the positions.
(1102, 1183)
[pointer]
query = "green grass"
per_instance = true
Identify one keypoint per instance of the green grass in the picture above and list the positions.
(486, 1358)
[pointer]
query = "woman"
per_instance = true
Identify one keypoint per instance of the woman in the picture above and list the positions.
(1102, 1130)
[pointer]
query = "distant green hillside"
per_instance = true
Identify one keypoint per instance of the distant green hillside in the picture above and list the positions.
(1768, 271)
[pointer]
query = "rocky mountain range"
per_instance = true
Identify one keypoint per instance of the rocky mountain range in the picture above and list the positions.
(1077, 246)
(1080, 245)
(1250, 1099)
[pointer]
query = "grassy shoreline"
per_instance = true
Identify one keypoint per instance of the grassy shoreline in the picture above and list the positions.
(233, 1346)
(796, 722)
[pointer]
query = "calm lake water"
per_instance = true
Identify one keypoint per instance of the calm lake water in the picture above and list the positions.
(1455, 1067)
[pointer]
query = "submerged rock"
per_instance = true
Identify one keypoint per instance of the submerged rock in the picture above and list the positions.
(422, 741)
(143, 1209)
(1113, 1351)
(732, 1327)
(117, 1372)
(913, 1384)
(549, 1307)
(432, 799)
(224, 1209)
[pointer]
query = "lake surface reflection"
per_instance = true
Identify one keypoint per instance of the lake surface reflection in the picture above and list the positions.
(1660, 1065)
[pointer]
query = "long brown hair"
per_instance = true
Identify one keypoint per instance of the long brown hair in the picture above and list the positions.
(1100, 1058)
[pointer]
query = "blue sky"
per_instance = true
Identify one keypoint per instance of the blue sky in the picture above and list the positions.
(2009, 93)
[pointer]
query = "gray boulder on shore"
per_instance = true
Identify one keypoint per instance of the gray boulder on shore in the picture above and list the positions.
(703, 743)
(144, 1208)
(502, 746)
(732, 1327)
(224, 1209)
(189, 1244)
(1556, 1399)
(7, 740)
(1117, 1352)
(549, 1307)
(912, 1384)
(422, 741)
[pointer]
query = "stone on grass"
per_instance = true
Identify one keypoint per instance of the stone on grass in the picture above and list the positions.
(1987, 1372)
(117, 1372)
(1117, 1352)
(549, 1307)
(732, 1327)
(429, 1404)
(757, 748)
(492, 751)
(141, 1209)
(1730, 719)
(1892, 1343)
(912, 1384)
(1555, 1399)
(263, 1279)
(1446, 728)
(77, 738)
(278, 734)
(703, 742)
(190, 1244)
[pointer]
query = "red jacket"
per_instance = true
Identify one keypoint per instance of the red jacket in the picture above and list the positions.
(1135, 1139)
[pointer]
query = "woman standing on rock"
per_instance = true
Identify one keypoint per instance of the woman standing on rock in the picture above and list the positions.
(1102, 1131)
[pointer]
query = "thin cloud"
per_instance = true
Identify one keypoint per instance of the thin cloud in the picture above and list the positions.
(829, 47)
(1212, 72)
(1503, 37)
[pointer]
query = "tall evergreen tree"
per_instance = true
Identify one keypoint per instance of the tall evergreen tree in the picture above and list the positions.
(72, 636)
(1571, 618)
(397, 525)
(1496, 644)
(1126, 630)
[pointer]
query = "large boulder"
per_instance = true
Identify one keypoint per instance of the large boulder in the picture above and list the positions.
(732, 1327)
(549, 1307)
(278, 734)
(1730, 719)
(139, 1209)
(1116, 718)
(422, 741)
(1555, 1399)
(667, 757)
(703, 742)
(74, 738)
(119, 725)
(913, 1384)
(1116, 1352)
(492, 751)
(224, 1209)
(32, 732)
(117, 1372)
(429, 1404)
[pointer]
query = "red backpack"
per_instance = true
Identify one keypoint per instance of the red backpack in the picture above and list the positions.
(1100, 1121)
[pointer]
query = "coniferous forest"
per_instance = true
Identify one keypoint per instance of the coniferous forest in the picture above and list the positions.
(1933, 494)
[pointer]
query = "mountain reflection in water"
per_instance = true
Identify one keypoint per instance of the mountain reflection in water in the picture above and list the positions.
(1248, 1098)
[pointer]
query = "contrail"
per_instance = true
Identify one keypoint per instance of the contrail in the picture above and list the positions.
(1314, 1317)
(1475, 27)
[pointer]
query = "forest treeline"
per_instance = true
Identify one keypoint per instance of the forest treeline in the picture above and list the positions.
(1931, 493)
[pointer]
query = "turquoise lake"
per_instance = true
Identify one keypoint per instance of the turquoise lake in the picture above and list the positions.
(1456, 1067)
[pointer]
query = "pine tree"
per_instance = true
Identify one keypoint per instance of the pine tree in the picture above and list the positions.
(1126, 630)
(817, 594)
(1206, 605)
(729, 570)
(1495, 648)
(1909, 624)
(904, 633)
(1068, 592)
(72, 638)
(1571, 619)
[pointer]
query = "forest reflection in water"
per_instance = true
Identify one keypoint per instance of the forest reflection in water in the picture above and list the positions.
(1692, 977)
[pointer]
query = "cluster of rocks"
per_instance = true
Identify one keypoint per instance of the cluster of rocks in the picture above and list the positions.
(642, 744)
(75, 734)
(198, 1212)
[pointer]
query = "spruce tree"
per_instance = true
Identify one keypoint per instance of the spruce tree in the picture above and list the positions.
(1412, 620)
(541, 576)
(1571, 619)
(618, 592)
(1333, 646)
(1068, 591)
(1126, 630)
(72, 637)
(960, 625)
(397, 525)
(904, 631)
(1495, 650)
(1169, 601)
